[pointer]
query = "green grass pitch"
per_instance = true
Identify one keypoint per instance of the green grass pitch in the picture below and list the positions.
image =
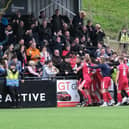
(111, 14)
(65, 118)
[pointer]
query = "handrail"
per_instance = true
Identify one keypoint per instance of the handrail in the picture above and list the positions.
(51, 78)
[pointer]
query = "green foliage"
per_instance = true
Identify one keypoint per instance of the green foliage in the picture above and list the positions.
(111, 14)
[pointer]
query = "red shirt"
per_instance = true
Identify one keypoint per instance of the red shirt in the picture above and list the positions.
(65, 52)
(86, 72)
(123, 71)
(73, 61)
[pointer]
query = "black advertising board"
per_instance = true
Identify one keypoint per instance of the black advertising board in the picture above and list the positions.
(32, 93)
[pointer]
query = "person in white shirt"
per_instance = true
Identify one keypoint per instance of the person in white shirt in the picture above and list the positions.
(49, 71)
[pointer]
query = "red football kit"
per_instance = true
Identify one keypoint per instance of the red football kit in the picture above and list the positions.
(122, 80)
(123, 77)
(86, 76)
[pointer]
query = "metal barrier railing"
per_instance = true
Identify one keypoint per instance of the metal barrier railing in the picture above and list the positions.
(49, 78)
(52, 78)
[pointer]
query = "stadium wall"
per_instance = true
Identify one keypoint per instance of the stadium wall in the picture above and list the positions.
(69, 7)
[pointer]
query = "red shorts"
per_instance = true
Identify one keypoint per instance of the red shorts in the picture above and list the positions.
(106, 83)
(123, 84)
(87, 84)
(93, 85)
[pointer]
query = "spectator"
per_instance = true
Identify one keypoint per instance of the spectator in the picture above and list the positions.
(75, 47)
(21, 55)
(44, 54)
(9, 53)
(99, 35)
(56, 21)
(33, 53)
(31, 70)
(67, 38)
(28, 37)
(14, 60)
(66, 19)
(42, 16)
(103, 53)
(49, 71)
(34, 34)
(83, 44)
(18, 46)
(65, 67)
(109, 51)
(21, 30)
(78, 19)
(123, 35)
(66, 51)
(84, 31)
(65, 27)
(17, 17)
(124, 39)
(58, 45)
(56, 58)
(91, 30)
(10, 36)
(44, 31)
(98, 51)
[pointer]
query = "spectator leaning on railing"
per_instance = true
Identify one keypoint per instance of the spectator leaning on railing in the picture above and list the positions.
(31, 70)
(49, 71)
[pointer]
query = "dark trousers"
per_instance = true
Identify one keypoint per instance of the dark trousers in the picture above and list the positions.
(13, 91)
(115, 93)
(81, 97)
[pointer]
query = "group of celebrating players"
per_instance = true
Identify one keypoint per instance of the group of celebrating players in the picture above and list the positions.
(94, 81)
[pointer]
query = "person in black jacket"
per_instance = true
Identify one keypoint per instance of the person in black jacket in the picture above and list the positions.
(99, 35)
(65, 67)
(56, 59)
(44, 31)
(78, 19)
(58, 44)
(56, 21)
(91, 30)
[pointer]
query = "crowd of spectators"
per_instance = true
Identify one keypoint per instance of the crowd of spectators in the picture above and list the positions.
(34, 44)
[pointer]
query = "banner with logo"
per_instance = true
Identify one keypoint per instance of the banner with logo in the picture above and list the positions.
(67, 93)
(34, 93)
